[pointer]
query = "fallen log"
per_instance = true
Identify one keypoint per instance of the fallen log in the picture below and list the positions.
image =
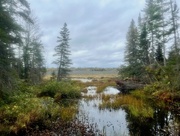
(127, 86)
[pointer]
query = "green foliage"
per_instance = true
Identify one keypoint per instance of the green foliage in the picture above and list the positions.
(32, 56)
(143, 45)
(26, 110)
(131, 53)
(133, 71)
(150, 89)
(159, 54)
(139, 94)
(60, 90)
(22, 109)
(9, 31)
(146, 48)
(62, 53)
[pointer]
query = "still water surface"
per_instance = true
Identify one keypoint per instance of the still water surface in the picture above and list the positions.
(120, 123)
(110, 123)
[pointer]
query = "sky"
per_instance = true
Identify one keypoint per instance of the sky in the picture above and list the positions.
(97, 29)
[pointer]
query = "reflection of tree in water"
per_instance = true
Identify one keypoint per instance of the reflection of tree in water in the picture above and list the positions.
(162, 124)
(160, 121)
(137, 127)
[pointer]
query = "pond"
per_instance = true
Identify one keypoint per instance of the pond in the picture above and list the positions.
(83, 80)
(109, 122)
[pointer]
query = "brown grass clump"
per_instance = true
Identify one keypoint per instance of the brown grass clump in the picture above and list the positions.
(106, 97)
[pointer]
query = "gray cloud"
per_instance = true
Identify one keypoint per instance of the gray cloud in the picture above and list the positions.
(97, 28)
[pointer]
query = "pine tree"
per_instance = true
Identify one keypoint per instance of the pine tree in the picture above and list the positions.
(62, 52)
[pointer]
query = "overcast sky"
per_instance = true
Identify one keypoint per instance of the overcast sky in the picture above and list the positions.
(97, 28)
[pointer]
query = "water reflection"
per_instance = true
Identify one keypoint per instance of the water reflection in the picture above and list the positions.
(164, 123)
(108, 122)
(84, 80)
(111, 91)
(121, 123)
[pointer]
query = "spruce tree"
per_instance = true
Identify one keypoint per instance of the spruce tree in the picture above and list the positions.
(131, 55)
(159, 54)
(153, 19)
(9, 36)
(143, 46)
(132, 52)
(62, 53)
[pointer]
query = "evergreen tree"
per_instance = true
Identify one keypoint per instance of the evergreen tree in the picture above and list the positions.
(32, 57)
(37, 68)
(174, 23)
(153, 17)
(62, 52)
(165, 31)
(159, 54)
(143, 46)
(133, 68)
(9, 36)
(131, 54)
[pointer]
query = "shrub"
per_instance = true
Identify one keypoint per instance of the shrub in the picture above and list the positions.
(22, 113)
(23, 109)
(60, 90)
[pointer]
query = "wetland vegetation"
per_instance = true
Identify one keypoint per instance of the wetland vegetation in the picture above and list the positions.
(72, 107)
(87, 101)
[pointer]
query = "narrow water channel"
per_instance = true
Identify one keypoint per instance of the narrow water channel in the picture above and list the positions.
(119, 122)
(108, 122)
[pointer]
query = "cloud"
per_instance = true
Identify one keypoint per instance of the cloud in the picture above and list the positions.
(97, 28)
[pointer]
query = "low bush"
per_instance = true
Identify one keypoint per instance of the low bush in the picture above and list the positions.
(20, 114)
(23, 110)
(60, 90)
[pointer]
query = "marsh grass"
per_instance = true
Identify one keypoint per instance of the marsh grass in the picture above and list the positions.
(106, 97)
(90, 97)
(68, 113)
(136, 107)
(100, 84)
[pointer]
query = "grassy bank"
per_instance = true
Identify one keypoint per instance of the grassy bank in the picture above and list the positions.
(136, 107)
(141, 103)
